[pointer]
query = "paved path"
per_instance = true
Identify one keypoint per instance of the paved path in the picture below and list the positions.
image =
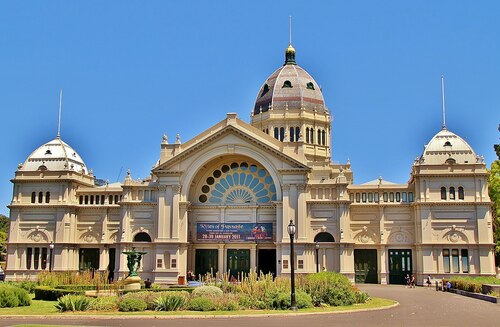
(418, 307)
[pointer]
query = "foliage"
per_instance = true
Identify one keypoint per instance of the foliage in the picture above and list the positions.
(104, 303)
(11, 296)
(494, 192)
(27, 285)
(210, 291)
(201, 304)
(303, 300)
(4, 231)
(48, 293)
(132, 304)
(56, 278)
(471, 284)
(171, 301)
(330, 288)
(71, 302)
(228, 302)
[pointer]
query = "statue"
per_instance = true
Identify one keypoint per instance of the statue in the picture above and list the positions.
(133, 261)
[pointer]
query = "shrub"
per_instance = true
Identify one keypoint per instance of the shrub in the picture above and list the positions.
(201, 304)
(48, 293)
(330, 288)
(28, 286)
(11, 296)
(228, 302)
(283, 300)
(71, 302)
(171, 301)
(132, 304)
(104, 303)
(207, 291)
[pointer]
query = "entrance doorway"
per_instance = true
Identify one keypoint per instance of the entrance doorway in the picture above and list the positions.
(89, 259)
(400, 265)
(238, 262)
(267, 261)
(111, 265)
(206, 262)
(365, 266)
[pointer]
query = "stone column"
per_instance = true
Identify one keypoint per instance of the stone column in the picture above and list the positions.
(383, 265)
(253, 257)
(301, 213)
(176, 190)
(221, 258)
(103, 258)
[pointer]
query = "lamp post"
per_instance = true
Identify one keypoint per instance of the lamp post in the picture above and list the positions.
(316, 246)
(51, 248)
(291, 231)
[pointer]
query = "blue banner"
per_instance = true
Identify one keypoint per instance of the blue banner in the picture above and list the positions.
(236, 232)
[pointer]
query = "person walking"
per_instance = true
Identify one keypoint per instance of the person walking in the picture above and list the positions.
(412, 281)
(428, 280)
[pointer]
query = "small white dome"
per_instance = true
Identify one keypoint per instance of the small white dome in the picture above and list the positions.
(55, 155)
(447, 147)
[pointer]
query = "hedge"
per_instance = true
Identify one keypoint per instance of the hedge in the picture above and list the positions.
(48, 293)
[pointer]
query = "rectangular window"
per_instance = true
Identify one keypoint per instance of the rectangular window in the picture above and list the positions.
(102, 199)
(456, 263)
(386, 197)
(410, 196)
(404, 197)
(357, 197)
(398, 197)
(376, 198)
(36, 258)
(391, 197)
(44, 258)
(465, 260)
(363, 197)
(351, 197)
(446, 261)
(370, 197)
(174, 263)
(29, 256)
(300, 264)
(285, 264)
(86, 199)
(159, 263)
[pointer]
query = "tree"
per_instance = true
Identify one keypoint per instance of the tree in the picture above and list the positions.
(4, 231)
(494, 191)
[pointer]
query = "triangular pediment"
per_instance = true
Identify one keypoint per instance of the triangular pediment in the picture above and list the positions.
(233, 133)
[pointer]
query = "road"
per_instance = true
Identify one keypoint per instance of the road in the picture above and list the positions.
(418, 307)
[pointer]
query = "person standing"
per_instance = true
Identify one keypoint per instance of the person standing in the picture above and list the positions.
(412, 281)
(428, 280)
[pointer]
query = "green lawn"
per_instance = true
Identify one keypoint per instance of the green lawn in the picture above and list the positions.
(47, 308)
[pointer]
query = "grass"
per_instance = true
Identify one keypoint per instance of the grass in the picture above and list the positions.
(47, 308)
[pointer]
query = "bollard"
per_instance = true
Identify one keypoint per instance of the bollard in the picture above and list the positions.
(437, 285)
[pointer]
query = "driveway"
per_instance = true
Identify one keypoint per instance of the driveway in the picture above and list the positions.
(418, 307)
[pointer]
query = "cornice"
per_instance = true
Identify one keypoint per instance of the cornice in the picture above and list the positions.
(451, 203)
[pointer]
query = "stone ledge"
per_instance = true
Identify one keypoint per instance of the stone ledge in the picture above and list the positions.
(478, 296)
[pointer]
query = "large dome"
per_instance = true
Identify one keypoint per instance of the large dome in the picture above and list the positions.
(448, 147)
(290, 86)
(55, 155)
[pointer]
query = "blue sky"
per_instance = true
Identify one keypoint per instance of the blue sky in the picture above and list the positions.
(131, 71)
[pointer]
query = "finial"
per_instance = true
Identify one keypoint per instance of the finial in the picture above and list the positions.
(178, 139)
(290, 51)
(164, 139)
(59, 117)
(442, 105)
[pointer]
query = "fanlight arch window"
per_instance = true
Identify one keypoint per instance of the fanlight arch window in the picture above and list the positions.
(142, 237)
(307, 134)
(452, 193)
(324, 237)
(238, 183)
(460, 193)
(33, 197)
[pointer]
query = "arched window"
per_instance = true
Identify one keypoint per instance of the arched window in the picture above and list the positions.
(310, 86)
(40, 197)
(276, 133)
(297, 133)
(292, 134)
(287, 84)
(312, 135)
(324, 237)
(33, 197)
(452, 193)
(47, 197)
(323, 137)
(116, 199)
(319, 136)
(460, 193)
(443, 193)
(307, 135)
(142, 237)
(282, 134)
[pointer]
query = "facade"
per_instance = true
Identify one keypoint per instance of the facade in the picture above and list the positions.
(222, 202)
